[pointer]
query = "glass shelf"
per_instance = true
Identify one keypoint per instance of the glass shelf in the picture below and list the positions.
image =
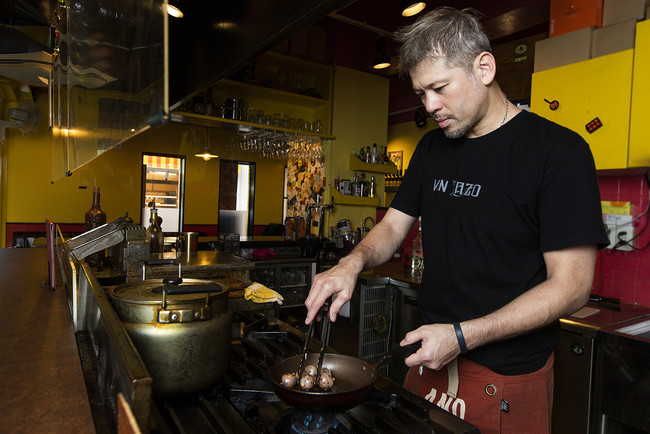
(242, 126)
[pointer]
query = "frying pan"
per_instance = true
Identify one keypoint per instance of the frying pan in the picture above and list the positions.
(353, 381)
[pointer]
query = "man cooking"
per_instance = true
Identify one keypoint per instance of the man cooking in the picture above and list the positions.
(511, 220)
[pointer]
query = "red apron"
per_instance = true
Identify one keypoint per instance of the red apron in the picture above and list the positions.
(494, 403)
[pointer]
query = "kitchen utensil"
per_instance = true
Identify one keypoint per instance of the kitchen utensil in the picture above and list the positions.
(100, 238)
(181, 329)
(305, 347)
(354, 380)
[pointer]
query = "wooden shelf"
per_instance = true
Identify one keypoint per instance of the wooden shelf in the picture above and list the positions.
(340, 199)
(360, 166)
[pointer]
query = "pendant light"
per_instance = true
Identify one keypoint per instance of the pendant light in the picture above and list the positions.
(382, 61)
(207, 153)
(411, 7)
(173, 9)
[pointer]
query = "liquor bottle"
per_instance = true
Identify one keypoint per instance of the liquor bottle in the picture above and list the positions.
(417, 257)
(155, 234)
(374, 157)
(362, 154)
(364, 186)
(94, 218)
(386, 159)
(373, 187)
(368, 154)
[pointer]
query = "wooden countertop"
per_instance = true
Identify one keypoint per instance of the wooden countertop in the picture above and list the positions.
(42, 385)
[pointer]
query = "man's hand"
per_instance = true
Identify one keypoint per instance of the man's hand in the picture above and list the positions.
(338, 281)
(439, 346)
(376, 248)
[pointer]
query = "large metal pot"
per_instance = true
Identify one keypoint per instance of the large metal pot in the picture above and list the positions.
(181, 329)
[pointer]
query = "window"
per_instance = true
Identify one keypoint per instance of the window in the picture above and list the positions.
(163, 183)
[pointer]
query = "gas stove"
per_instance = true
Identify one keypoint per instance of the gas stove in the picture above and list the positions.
(244, 401)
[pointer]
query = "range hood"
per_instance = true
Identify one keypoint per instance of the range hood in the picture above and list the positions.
(129, 48)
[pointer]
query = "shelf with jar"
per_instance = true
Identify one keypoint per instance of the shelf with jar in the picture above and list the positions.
(274, 92)
(343, 199)
(360, 166)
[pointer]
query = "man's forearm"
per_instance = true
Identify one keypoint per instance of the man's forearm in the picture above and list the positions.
(564, 292)
(376, 248)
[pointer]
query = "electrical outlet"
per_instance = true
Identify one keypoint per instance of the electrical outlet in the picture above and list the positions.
(620, 231)
(625, 235)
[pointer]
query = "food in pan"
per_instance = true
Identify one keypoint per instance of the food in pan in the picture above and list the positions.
(290, 379)
(308, 380)
(311, 370)
(326, 381)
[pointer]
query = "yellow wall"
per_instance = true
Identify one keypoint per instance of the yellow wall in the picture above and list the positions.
(360, 118)
(31, 196)
(405, 136)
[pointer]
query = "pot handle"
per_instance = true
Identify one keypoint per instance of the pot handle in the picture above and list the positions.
(160, 262)
(173, 288)
(403, 352)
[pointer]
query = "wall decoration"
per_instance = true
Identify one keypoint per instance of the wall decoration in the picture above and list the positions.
(396, 157)
(305, 180)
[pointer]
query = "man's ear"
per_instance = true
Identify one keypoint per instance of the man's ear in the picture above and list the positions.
(485, 68)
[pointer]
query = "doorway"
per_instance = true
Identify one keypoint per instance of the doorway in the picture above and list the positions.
(163, 183)
(236, 197)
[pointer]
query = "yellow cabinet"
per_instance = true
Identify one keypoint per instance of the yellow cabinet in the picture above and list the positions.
(639, 125)
(597, 88)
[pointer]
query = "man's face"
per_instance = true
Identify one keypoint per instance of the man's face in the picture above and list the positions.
(454, 98)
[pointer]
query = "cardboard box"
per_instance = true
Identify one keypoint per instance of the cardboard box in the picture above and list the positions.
(613, 38)
(570, 15)
(564, 49)
(616, 11)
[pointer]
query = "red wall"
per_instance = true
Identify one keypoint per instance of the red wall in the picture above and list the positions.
(620, 274)
(626, 274)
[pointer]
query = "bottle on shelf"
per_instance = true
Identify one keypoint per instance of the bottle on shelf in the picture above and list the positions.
(368, 154)
(374, 157)
(363, 186)
(372, 191)
(386, 159)
(417, 257)
(362, 154)
(155, 234)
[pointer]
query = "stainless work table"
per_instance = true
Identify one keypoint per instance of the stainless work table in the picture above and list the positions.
(41, 380)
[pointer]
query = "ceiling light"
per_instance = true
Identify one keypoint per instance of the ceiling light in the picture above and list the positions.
(173, 9)
(411, 7)
(206, 155)
(382, 61)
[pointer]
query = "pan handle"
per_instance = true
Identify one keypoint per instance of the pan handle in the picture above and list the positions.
(402, 352)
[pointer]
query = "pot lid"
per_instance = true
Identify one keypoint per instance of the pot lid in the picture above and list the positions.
(151, 291)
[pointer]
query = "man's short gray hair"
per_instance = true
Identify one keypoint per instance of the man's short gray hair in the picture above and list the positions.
(451, 35)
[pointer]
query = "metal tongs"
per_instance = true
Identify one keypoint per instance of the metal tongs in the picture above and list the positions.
(324, 334)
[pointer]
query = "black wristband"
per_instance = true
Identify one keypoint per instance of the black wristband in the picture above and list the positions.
(461, 338)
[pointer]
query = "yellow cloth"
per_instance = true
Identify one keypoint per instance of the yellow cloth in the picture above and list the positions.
(259, 293)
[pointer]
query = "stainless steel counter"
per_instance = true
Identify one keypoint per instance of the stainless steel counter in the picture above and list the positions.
(42, 386)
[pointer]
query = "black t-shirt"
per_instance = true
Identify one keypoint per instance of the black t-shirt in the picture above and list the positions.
(490, 207)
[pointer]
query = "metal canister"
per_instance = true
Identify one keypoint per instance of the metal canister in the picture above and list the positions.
(234, 108)
(181, 330)
(345, 228)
